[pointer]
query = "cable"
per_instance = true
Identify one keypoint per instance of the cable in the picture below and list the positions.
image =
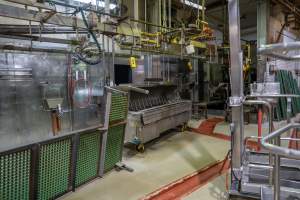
(79, 55)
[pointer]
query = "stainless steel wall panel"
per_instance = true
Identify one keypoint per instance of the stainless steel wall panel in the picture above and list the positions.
(23, 118)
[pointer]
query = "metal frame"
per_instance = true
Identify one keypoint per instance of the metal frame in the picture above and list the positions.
(236, 79)
(237, 99)
(109, 124)
(104, 135)
(35, 156)
(279, 151)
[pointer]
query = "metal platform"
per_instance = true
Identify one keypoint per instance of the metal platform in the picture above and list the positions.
(286, 193)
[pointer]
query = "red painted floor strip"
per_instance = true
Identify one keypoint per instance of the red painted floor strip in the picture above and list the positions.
(190, 183)
(215, 135)
(207, 128)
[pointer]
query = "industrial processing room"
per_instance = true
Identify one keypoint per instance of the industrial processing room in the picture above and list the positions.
(149, 99)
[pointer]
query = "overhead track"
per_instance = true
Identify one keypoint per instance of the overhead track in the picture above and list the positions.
(36, 16)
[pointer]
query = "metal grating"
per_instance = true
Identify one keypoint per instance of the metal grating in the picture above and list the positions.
(114, 146)
(119, 107)
(15, 175)
(54, 169)
(88, 157)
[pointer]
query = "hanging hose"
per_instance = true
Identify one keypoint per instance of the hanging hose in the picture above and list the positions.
(227, 157)
(79, 54)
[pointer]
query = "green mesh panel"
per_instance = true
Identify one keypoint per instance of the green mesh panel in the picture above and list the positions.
(14, 175)
(54, 169)
(88, 157)
(114, 146)
(119, 108)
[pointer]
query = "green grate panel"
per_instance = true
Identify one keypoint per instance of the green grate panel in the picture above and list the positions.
(54, 169)
(88, 157)
(114, 146)
(14, 175)
(119, 107)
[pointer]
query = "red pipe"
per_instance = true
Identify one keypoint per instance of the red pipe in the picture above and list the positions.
(259, 126)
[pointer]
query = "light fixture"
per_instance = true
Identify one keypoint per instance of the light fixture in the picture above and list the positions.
(192, 4)
(100, 3)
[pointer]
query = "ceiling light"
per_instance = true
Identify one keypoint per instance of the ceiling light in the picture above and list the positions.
(192, 4)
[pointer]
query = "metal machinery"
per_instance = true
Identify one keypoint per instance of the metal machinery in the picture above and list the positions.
(272, 173)
(45, 156)
(214, 84)
(156, 110)
(61, 125)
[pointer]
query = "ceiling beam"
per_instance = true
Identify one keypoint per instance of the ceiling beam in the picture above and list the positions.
(31, 3)
(42, 17)
(290, 6)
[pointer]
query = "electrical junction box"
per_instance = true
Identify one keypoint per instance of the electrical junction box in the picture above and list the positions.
(190, 49)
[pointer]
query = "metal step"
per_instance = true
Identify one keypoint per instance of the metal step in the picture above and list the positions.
(255, 176)
(267, 193)
(262, 158)
(256, 172)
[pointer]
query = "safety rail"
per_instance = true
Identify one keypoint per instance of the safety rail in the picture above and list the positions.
(133, 88)
(282, 151)
(114, 90)
(278, 152)
(52, 167)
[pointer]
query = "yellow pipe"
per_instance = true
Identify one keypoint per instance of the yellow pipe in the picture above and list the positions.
(149, 41)
(150, 34)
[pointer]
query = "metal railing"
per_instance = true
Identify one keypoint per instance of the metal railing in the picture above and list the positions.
(279, 151)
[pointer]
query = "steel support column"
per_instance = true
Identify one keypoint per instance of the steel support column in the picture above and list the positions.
(263, 10)
(236, 77)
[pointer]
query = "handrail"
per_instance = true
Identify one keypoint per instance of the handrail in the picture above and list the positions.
(274, 96)
(265, 103)
(289, 153)
(135, 89)
(114, 90)
(283, 138)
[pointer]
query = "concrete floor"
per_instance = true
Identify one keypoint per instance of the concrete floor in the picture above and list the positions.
(166, 160)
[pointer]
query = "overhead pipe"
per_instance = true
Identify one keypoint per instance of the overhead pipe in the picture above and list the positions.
(272, 50)
(35, 29)
(151, 24)
(34, 49)
(283, 56)
(286, 46)
(84, 8)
